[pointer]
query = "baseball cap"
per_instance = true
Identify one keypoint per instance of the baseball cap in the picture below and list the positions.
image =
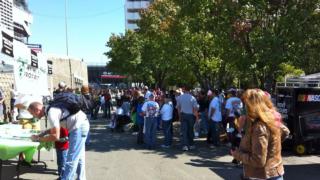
(62, 84)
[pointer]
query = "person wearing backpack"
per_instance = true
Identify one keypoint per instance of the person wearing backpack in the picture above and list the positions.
(65, 112)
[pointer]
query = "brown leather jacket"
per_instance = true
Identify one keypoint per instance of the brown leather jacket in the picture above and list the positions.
(260, 154)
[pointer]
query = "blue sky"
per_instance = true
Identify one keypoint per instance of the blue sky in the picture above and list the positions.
(90, 24)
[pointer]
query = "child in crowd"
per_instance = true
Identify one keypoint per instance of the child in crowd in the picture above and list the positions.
(62, 147)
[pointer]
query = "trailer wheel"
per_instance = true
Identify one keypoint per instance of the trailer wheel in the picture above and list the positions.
(300, 149)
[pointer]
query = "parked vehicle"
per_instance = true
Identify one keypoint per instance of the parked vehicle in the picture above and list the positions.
(298, 100)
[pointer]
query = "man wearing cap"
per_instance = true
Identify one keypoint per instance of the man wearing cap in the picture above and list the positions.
(147, 93)
(61, 88)
(187, 106)
(233, 105)
(150, 110)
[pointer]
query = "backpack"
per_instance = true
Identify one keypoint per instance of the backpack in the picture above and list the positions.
(66, 101)
(87, 103)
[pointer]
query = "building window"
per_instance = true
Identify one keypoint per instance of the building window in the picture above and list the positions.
(135, 10)
(133, 21)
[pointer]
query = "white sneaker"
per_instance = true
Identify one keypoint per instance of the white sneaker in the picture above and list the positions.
(192, 147)
(196, 134)
(185, 148)
(239, 135)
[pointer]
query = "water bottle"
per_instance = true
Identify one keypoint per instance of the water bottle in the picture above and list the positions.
(229, 130)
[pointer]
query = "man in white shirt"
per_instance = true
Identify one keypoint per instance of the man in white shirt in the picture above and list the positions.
(147, 93)
(215, 118)
(150, 110)
(78, 127)
(166, 117)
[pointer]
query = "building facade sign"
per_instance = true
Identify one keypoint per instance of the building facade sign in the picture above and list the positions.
(35, 47)
(7, 44)
(49, 66)
(34, 59)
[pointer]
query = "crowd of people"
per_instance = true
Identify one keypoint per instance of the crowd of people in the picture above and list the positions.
(253, 128)
(245, 121)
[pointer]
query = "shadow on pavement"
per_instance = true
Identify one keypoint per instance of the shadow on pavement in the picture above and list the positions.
(103, 140)
(223, 169)
(302, 171)
(9, 170)
(229, 171)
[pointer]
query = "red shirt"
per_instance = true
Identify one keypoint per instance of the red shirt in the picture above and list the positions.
(62, 145)
(107, 97)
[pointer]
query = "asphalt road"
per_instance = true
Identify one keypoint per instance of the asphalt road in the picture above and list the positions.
(116, 156)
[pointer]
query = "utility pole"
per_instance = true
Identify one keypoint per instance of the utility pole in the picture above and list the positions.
(67, 45)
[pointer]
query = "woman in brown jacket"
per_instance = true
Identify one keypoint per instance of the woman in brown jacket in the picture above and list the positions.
(260, 148)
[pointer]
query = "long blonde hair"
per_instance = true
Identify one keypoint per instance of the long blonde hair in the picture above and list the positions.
(260, 108)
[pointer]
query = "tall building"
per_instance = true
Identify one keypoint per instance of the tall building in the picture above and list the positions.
(16, 19)
(22, 20)
(132, 9)
(6, 7)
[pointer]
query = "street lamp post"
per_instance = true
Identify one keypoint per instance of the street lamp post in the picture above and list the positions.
(66, 26)
(67, 45)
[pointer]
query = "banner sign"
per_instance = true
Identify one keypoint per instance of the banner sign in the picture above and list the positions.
(7, 44)
(34, 59)
(49, 66)
(28, 78)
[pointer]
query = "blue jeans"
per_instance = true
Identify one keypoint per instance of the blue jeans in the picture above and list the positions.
(187, 123)
(150, 131)
(276, 178)
(76, 155)
(203, 123)
(158, 123)
(167, 126)
(215, 132)
(107, 110)
(61, 160)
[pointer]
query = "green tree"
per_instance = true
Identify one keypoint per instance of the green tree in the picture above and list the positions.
(220, 43)
(125, 55)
